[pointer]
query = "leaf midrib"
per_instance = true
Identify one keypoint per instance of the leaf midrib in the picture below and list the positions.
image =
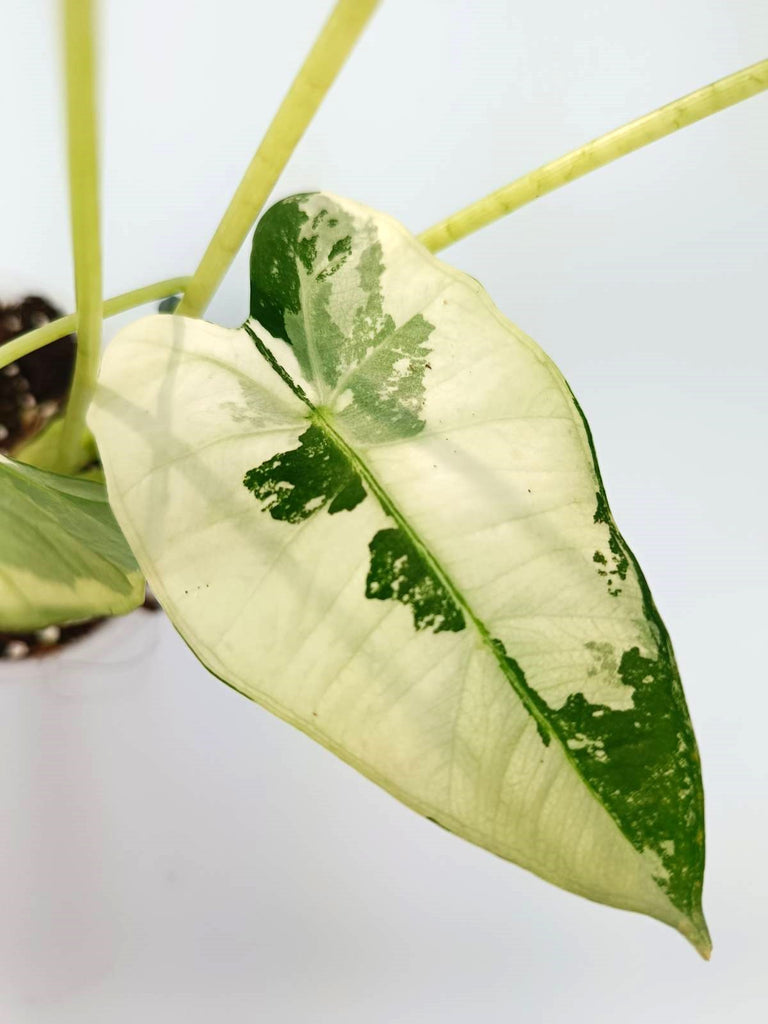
(518, 682)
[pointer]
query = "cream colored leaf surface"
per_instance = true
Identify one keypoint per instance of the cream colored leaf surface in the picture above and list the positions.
(376, 511)
(62, 555)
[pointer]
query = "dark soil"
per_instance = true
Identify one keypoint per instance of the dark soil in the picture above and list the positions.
(33, 389)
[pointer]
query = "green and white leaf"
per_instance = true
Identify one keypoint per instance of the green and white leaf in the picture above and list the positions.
(62, 555)
(376, 511)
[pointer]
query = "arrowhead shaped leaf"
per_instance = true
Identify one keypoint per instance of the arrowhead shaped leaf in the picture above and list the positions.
(376, 510)
(62, 555)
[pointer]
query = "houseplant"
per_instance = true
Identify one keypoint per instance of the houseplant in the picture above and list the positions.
(81, 332)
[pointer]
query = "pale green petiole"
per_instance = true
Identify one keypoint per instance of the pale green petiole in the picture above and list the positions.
(325, 60)
(678, 114)
(80, 74)
(33, 340)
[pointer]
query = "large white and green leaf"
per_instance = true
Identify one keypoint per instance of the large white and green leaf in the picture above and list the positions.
(376, 510)
(62, 555)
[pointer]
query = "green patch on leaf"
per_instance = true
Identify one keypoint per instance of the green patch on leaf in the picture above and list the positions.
(273, 266)
(616, 567)
(316, 282)
(400, 572)
(294, 484)
(616, 751)
(387, 387)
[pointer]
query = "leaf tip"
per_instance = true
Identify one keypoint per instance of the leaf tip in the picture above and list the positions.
(695, 930)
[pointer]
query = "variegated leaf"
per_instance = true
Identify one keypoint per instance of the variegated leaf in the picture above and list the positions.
(376, 510)
(62, 555)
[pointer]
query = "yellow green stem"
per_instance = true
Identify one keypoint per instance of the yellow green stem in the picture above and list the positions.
(678, 114)
(305, 95)
(80, 74)
(33, 340)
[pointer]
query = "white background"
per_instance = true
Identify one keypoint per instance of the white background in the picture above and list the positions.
(170, 852)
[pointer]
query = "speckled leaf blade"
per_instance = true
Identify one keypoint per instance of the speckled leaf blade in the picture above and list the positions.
(376, 510)
(62, 555)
